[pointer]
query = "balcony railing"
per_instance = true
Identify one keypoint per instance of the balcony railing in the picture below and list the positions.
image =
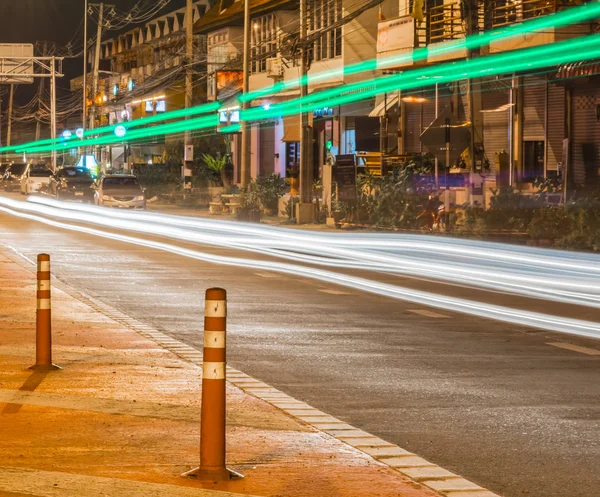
(512, 11)
(445, 23)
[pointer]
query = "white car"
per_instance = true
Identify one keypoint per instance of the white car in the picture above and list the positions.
(35, 177)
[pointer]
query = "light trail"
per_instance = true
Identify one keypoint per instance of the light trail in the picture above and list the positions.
(544, 259)
(579, 288)
(529, 59)
(569, 16)
(521, 60)
(558, 19)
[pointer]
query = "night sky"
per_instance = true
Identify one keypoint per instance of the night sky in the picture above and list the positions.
(26, 21)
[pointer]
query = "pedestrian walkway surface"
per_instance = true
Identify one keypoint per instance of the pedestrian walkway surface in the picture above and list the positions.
(122, 417)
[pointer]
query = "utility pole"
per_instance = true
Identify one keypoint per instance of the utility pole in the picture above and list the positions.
(84, 83)
(305, 210)
(10, 109)
(96, 68)
(53, 108)
(475, 106)
(245, 162)
(188, 155)
(38, 122)
(189, 54)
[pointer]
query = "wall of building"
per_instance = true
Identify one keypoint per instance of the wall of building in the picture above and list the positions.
(223, 45)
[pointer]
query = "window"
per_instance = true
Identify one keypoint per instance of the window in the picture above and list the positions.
(74, 172)
(40, 172)
(120, 182)
(264, 41)
(17, 169)
(322, 15)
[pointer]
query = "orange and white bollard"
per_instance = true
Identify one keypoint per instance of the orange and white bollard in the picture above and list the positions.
(43, 321)
(212, 421)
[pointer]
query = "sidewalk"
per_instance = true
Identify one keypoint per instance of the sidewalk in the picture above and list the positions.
(122, 417)
(178, 210)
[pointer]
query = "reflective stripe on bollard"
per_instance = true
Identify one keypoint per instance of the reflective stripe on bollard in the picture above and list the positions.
(43, 321)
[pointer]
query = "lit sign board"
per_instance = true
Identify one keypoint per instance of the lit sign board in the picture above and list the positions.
(324, 112)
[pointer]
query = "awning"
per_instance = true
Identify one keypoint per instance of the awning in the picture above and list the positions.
(381, 108)
(578, 69)
(291, 128)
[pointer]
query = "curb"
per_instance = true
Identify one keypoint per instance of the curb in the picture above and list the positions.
(410, 465)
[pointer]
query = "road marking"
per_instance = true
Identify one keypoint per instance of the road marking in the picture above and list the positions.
(334, 292)
(429, 314)
(574, 348)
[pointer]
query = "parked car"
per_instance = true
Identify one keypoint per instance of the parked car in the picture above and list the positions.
(120, 191)
(35, 177)
(13, 175)
(72, 183)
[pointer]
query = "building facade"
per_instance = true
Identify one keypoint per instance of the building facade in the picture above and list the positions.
(335, 44)
(142, 74)
(524, 125)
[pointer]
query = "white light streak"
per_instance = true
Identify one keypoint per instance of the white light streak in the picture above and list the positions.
(552, 275)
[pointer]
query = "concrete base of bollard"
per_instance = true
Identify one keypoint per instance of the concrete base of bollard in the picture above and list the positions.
(221, 474)
(44, 367)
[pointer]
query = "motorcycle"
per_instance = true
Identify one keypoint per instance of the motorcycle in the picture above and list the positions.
(435, 217)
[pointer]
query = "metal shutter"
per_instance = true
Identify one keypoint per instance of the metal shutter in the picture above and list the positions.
(586, 133)
(463, 101)
(413, 128)
(428, 113)
(496, 113)
(556, 126)
(534, 108)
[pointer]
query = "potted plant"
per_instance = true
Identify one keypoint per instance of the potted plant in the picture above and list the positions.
(250, 204)
(270, 189)
(215, 165)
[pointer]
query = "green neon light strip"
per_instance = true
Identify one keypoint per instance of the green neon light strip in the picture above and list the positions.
(517, 61)
(166, 116)
(569, 16)
(566, 17)
(74, 142)
(165, 129)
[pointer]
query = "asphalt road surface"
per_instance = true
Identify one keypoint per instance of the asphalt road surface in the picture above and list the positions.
(491, 401)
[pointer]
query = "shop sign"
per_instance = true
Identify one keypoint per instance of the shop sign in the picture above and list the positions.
(324, 112)
(229, 116)
(396, 34)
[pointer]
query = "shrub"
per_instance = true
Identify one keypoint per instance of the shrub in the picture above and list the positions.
(270, 189)
(511, 210)
(550, 223)
(397, 199)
